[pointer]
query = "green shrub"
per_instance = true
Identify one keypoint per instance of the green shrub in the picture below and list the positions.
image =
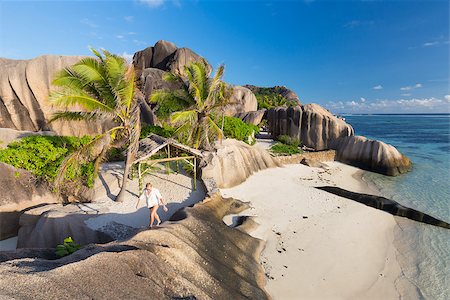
(237, 129)
(68, 247)
(188, 168)
(165, 131)
(287, 140)
(42, 156)
(169, 106)
(269, 99)
(115, 154)
(283, 149)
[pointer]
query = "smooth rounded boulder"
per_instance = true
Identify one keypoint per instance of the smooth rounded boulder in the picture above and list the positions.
(313, 125)
(371, 155)
(24, 90)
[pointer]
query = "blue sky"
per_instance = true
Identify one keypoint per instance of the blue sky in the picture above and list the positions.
(349, 56)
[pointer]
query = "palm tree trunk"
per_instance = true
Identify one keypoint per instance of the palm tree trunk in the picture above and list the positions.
(126, 171)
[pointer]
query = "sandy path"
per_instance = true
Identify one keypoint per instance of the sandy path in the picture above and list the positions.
(320, 246)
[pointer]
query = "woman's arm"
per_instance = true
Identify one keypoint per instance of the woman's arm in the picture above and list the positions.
(139, 199)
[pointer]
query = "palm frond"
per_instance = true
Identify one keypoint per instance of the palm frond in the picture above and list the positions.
(96, 53)
(90, 69)
(69, 97)
(80, 116)
(214, 128)
(82, 155)
(115, 67)
(187, 116)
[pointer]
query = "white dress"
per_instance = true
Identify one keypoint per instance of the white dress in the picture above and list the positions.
(151, 199)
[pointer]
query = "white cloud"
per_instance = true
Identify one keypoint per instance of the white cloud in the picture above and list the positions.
(406, 95)
(88, 22)
(119, 36)
(411, 87)
(358, 23)
(139, 42)
(129, 18)
(152, 3)
(128, 57)
(414, 105)
(363, 99)
(131, 33)
(429, 44)
(378, 87)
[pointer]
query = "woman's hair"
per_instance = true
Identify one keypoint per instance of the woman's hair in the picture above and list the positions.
(148, 184)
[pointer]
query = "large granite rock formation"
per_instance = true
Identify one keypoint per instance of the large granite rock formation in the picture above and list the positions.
(371, 155)
(152, 62)
(47, 226)
(196, 257)
(315, 126)
(252, 117)
(164, 56)
(288, 94)
(24, 89)
(242, 100)
(232, 162)
(20, 192)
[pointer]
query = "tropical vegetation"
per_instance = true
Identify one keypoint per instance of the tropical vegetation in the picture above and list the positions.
(237, 129)
(104, 86)
(270, 97)
(43, 155)
(68, 247)
(286, 145)
(197, 101)
(283, 149)
(165, 131)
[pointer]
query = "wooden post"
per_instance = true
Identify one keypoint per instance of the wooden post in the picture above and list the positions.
(177, 153)
(140, 178)
(195, 173)
(168, 156)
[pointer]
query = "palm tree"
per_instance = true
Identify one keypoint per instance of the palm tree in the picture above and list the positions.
(201, 96)
(104, 87)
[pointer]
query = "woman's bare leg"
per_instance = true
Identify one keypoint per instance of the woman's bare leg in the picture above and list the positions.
(157, 218)
(153, 214)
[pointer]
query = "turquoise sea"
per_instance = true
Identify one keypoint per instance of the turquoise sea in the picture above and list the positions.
(424, 250)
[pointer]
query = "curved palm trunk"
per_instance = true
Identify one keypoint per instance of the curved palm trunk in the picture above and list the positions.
(134, 131)
(128, 162)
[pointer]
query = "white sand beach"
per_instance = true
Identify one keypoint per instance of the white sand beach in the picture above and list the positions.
(321, 246)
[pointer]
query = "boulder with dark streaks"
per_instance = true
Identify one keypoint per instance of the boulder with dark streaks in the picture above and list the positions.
(24, 89)
(252, 117)
(312, 124)
(21, 191)
(371, 155)
(197, 256)
(232, 162)
(387, 205)
(164, 56)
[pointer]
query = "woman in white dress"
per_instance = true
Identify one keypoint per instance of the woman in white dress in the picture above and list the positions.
(153, 200)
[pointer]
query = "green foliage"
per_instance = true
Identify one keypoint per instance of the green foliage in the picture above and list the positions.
(287, 140)
(101, 88)
(269, 98)
(42, 156)
(17, 174)
(169, 106)
(283, 149)
(189, 169)
(237, 129)
(115, 154)
(166, 131)
(68, 247)
(191, 106)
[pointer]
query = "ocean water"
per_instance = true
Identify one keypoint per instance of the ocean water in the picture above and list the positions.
(424, 250)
